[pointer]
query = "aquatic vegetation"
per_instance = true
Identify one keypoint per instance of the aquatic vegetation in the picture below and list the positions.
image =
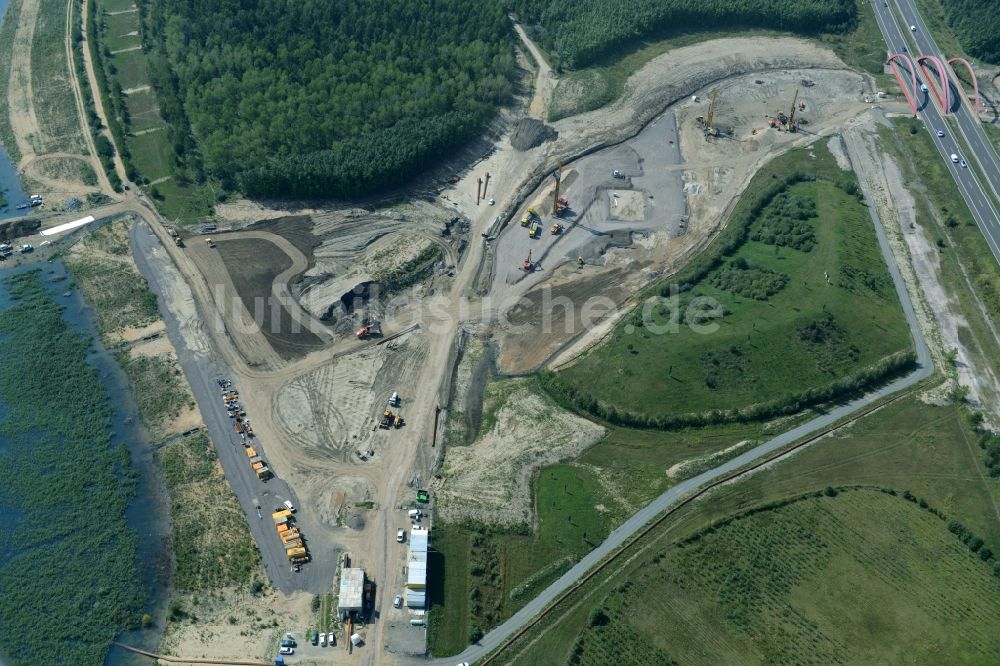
(68, 580)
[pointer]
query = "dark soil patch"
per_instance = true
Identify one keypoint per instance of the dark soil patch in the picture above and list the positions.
(296, 229)
(253, 264)
(529, 133)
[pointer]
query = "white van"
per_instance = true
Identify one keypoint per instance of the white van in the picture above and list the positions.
(414, 514)
(954, 158)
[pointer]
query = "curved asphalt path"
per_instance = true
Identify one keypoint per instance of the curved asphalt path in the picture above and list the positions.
(925, 368)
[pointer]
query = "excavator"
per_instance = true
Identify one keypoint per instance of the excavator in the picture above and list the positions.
(528, 266)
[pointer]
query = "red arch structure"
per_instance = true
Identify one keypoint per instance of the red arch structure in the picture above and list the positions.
(975, 82)
(945, 100)
(911, 97)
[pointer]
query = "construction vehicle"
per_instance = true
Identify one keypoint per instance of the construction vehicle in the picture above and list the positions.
(386, 421)
(368, 329)
(251, 453)
(178, 241)
(290, 535)
(528, 266)
(294, 553)
(710, 129)
(239, 427)
(533, 231)
(277, 516)
(526, 220)
(211, 243)
(397, 421)
(555, 229)
(532, 212)
(293, 543)
(617, 174)
(791, 115)
(559, 203)
(263, 473)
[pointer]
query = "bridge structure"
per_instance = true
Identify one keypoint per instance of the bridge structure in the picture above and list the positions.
(935, 72)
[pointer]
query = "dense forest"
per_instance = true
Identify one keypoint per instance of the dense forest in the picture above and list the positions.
(318, 98)
(584, 31)
(977, 25)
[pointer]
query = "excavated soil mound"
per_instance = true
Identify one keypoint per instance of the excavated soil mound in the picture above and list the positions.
(529, 133)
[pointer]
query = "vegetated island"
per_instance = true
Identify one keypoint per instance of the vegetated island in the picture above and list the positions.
(68, 580)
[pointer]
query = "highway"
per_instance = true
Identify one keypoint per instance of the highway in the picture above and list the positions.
(979, 202)
(925, 368)
(968, 123)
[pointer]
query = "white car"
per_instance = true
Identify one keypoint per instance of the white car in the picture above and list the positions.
(286, 650)
(397, 601)
(400, 535)
(940, 132)
(289, 506)
(913, 28)
(322, 640)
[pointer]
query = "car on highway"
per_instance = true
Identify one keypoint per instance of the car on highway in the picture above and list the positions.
(397, 601)
(400, 535)
(913, 28)
(954, 158)
(940, 132)
(964, 165)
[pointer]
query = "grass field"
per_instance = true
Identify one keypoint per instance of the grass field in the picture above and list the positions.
(577, 504)
(858, 577)
(945, 216)
(151, 154)
(593, 87)
(827, 313)
(210, 536)
(908, 445)
(55, 105)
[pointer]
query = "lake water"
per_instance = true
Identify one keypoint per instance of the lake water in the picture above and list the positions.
(148, 512)
(9, 183)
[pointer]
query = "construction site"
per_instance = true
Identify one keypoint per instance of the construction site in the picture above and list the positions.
(345, 328)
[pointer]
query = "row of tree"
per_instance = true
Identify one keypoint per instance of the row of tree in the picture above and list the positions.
(315, 98)
(586, 31)
(846, 387)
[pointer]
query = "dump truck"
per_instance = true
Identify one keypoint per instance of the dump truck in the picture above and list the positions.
(283, 528)
(251, 452)
(210, 242)
(525, 220)
(294, 543)
(386, 421)
(533, 232)
(277, 516)
(263, 473)
(555, 229)
(296, 553)
(290, 534)
(239, 427)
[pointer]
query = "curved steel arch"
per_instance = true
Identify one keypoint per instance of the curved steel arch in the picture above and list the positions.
(975, 82)
(942, 79)
(911, 100)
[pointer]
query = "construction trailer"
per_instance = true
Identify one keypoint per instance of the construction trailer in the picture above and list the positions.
(416, 568)
(352, 589)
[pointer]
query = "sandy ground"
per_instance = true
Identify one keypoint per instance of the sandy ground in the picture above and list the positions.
(945, 327)
(35, 146)
(489, 481)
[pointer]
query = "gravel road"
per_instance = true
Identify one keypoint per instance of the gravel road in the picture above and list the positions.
(202, 368)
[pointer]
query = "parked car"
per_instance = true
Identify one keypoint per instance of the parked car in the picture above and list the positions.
(314, 639)
(322, 640)
(400, 535)
(397, 601)
(289, 506)
(286, 650)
